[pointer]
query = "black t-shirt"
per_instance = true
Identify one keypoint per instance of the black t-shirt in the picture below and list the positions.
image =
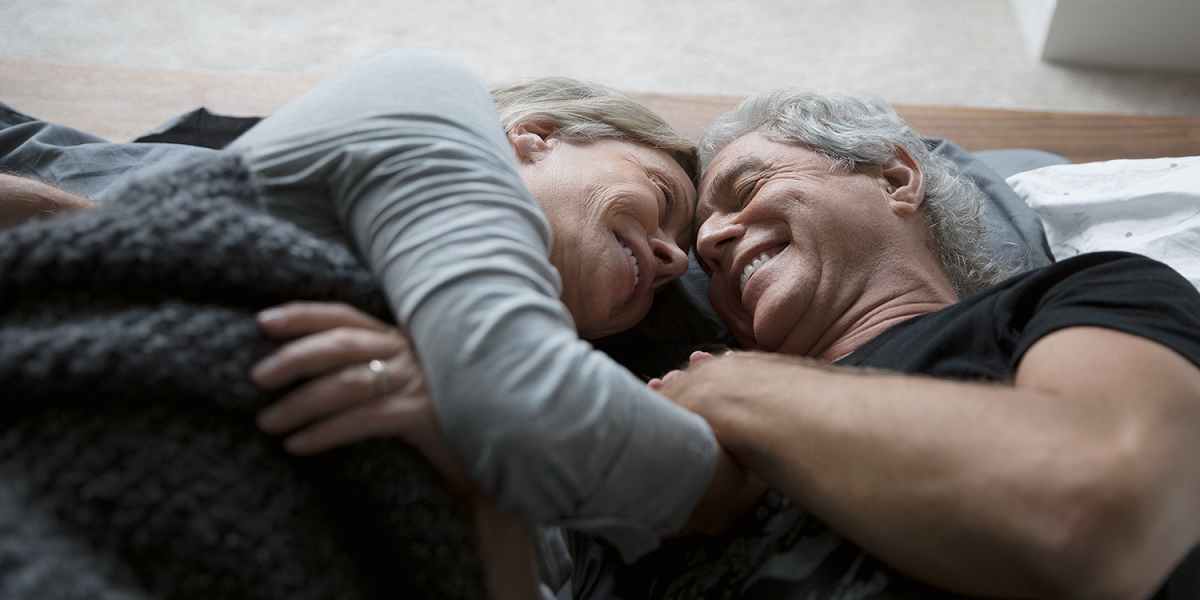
(779, 552)
(985, 336)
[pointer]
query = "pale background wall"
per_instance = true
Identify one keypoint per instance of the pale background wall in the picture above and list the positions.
(935, 52)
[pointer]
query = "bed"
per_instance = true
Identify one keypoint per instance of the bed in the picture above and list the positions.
(1018, 157)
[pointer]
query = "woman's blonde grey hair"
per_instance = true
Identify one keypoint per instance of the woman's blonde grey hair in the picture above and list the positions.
(584, 111)
(859, 134)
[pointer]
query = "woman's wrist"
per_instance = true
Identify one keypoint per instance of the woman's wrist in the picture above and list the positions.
(732, 491)
(22, 199)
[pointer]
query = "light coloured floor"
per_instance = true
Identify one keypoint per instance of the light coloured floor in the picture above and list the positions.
(931, 52)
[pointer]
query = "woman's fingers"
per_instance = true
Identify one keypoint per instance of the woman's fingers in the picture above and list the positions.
(295, 319)
(407, 415)
(389, 417)
(336, 391)
(353, 395)
(343, 388)
(325, 351)
(695, 358)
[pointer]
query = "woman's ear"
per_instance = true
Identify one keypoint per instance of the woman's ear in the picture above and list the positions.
(532, 140)
(903, 182)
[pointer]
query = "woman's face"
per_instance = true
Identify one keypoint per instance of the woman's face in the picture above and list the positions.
(621, 215)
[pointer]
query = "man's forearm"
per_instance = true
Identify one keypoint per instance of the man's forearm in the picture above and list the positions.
(22, 199)
(999, 490)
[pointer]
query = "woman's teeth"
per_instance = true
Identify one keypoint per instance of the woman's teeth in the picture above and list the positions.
(633, 260)
(751, 268)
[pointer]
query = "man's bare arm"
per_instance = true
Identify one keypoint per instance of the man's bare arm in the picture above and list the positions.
(22, 199)
(1078, 480)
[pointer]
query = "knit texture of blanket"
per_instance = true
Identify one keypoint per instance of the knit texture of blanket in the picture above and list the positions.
(130, 466)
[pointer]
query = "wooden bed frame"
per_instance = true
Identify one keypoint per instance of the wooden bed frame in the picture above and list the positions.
(120, 103)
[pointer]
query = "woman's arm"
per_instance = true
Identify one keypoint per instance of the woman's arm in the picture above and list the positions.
(402, 157)
(22, 199)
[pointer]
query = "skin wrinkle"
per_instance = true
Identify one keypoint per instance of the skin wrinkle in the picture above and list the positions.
(623, 192)
(721, 187)
(804, 300)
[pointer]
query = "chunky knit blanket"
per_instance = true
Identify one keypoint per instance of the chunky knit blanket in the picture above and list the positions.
(130, 466)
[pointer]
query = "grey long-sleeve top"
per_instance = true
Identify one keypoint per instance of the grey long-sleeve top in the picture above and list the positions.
(402, 157)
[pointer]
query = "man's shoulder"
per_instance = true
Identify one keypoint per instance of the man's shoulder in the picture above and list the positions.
(984, 336)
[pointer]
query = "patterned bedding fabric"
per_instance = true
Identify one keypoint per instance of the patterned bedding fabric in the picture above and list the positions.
(130, 465)
(775, 552)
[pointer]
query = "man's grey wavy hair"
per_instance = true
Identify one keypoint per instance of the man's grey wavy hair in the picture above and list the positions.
(586, 111)
(859, 134)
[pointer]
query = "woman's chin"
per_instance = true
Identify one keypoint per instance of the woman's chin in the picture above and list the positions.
(617, 322)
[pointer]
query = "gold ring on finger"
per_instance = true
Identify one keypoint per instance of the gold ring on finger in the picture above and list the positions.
(379, 368)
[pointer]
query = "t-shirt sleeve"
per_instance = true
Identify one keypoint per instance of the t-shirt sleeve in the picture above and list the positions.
(401, 156)
(1115, 290)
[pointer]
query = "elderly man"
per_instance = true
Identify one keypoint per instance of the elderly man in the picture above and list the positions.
(1035, 439)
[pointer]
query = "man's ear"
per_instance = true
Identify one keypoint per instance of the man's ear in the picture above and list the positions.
(533, 140)
(903, 182)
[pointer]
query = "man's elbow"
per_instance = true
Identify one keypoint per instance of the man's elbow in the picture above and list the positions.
(1123, 531)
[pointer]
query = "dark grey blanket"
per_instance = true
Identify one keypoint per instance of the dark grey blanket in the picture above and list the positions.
(130, 466)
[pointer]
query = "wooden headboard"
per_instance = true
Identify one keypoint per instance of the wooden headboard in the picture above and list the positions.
(120, 103)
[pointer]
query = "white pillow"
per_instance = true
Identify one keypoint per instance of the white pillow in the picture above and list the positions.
(1148, 206)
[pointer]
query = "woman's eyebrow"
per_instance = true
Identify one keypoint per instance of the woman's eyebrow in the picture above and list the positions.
(664, 182)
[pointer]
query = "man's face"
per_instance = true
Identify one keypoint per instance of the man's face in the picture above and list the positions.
(789, 241)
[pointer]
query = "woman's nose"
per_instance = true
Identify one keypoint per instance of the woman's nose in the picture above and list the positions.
(672, 261)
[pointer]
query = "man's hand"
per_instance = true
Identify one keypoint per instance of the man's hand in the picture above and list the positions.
(1078, 479)
(22, 199)
(343, 400)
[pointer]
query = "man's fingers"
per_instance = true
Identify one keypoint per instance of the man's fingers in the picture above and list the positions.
(321, 352)
(295, 319)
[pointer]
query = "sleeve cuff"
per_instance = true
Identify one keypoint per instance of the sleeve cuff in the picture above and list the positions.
(660, 476)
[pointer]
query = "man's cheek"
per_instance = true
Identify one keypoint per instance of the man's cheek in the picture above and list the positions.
(740, 323)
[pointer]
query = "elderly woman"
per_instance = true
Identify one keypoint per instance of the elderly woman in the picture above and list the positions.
(499, 244)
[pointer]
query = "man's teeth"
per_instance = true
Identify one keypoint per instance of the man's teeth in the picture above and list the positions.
(751, 268)
(632, 259)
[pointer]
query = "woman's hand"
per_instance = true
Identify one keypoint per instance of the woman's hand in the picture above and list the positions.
(696, 357)
(733, 489)
(345, 401)
(364, 380)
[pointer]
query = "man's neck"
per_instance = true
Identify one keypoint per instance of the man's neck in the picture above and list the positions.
(896, 295)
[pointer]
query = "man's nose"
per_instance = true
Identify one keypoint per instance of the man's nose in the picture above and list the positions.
(716, 235)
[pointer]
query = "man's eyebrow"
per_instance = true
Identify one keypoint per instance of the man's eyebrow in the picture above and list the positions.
(722, 184)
